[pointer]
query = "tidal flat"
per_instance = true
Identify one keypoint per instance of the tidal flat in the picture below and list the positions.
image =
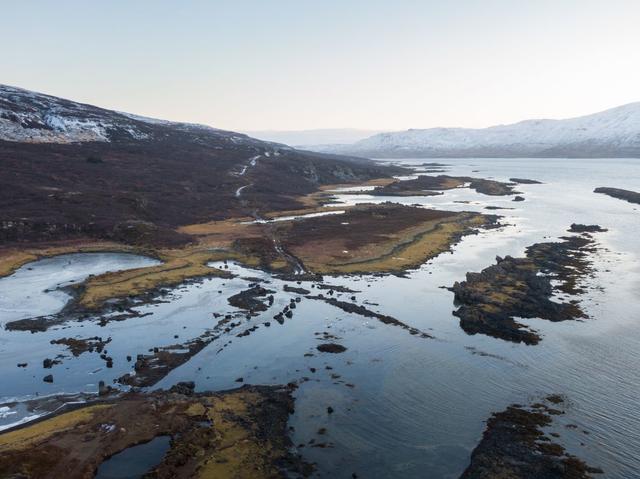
(405, 396)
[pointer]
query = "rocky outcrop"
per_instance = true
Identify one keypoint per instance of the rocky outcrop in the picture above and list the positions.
(515, 446)
(490, 301)
(626, 195)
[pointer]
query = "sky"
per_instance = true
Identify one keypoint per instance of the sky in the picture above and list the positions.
(300, 64)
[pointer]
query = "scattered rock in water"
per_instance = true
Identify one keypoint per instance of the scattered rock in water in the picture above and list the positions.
(626, 195)
(48, 363)
(336, 288)
(149, 369)
(515, 446)
(331, 348)
(522, 288)
(249, 299)
(103, 389)
(48, 378)
(293, 289)
(79, 346)
(524, 181)
(362, 311)
(579, 228)
(518, 198)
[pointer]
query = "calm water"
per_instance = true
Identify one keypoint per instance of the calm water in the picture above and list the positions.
(404, 406)
(134, 462)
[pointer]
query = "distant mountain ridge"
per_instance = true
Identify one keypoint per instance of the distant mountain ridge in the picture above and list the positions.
(319, 136)
(611, 133)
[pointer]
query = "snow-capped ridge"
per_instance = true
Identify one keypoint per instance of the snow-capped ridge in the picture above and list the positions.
(31, 117)
(614, 132)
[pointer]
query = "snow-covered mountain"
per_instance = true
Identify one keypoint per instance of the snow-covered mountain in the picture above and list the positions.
(611, 133)
(30, 117)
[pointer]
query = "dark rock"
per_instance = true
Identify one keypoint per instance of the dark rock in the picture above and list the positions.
(331, 348)
(49, 363)
(521, 287)
(186, 388)
(514, 445)
(626, 195)
(292, 289)
(48, 378)
(578, 228)
(523, 181)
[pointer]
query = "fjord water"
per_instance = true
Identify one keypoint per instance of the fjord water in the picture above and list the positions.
(403, 406)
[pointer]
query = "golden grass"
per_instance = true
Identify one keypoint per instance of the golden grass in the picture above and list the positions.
(404, 249)
(177, 267)
(38, 432)
(238, 453)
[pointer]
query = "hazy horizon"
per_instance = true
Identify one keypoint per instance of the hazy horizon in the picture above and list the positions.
(284, 66)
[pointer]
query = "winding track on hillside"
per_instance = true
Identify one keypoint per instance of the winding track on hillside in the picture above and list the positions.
(296, 265)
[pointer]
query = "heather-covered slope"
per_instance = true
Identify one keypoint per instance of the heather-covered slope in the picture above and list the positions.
(73, 170)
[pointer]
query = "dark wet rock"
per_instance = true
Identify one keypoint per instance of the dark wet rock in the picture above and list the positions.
(578, 228)
(293, 289)
(331, 348)
(48, 363)
(249, 299)
(490, 301)
(555, 398)
(514, 446)
(22, 365)
(104, 390)
(362, 311)
(48, 378)
(240, 380)
(626, 195)
(518, 198)
(330, 410)
(336, 288)
(150, 368)
(186, 388)
(524, 181)
(79, 346)
(491, 187)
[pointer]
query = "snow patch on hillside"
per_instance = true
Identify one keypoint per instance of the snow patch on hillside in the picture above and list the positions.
(27, 116)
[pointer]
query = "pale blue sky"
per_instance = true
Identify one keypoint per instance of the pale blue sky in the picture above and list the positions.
(299, 64)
